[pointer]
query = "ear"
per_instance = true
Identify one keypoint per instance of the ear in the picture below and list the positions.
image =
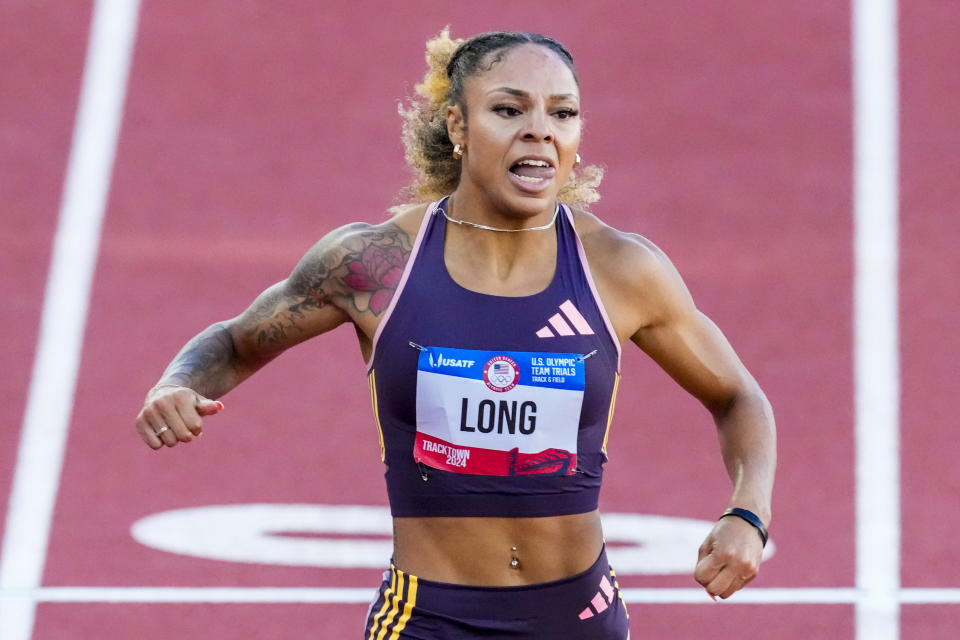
(456, 125)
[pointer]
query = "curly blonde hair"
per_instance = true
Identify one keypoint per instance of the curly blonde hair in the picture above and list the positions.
(429, 151)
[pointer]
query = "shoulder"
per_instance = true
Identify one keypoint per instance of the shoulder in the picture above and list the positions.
(402, 225)
(392, 238)
(619, 255)
(358, 266)
(636, 280)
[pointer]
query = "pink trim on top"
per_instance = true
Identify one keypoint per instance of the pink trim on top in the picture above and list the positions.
(403, 281)
(593, 286)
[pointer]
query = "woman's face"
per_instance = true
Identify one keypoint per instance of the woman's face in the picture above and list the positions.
(521, 131)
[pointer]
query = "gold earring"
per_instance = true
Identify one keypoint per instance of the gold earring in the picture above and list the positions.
(457, 151)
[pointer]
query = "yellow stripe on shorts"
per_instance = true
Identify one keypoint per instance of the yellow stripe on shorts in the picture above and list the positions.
(386, 602)
(407, 608)
(613, 574)
(394, 606)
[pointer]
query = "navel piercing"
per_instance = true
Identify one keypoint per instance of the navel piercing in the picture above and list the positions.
(514, 562)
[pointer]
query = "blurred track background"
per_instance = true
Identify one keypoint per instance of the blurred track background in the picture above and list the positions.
(250, 128)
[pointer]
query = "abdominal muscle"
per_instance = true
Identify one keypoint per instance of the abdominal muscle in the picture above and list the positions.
(479, 551)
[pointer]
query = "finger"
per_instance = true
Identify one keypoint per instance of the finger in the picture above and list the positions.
(208, 407)
(740, 573)
(191, 419)
(147, 433)
(736, 585)
(171, 418)
(704, 549)
(743, 565)
(722, 584)
(158, 426)
(166, 435)
(708, 568)
(192, 415)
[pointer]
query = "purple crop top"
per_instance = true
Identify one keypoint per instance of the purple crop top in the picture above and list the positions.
(489, 405)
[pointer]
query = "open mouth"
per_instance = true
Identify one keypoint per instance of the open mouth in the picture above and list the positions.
(533, 172)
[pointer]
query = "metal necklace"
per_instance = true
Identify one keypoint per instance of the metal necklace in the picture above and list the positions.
(483, 226)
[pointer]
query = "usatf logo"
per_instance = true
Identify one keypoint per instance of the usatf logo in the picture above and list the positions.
(440, 361)
(501, 373)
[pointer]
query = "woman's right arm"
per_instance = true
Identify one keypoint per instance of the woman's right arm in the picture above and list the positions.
(317, 297)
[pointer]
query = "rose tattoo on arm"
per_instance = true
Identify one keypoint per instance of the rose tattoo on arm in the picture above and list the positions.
(378, 272)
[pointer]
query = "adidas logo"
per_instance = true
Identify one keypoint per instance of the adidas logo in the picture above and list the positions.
(600, 602)
(560, 322)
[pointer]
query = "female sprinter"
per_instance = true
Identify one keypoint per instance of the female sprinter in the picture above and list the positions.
(492, 321)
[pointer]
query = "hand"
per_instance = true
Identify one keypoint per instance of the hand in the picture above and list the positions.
(173, 414)
(729, 558)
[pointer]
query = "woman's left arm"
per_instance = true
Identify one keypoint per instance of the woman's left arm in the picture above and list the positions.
(653, 307)
(698, 356)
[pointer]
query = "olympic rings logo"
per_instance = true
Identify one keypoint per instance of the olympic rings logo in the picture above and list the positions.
(501, 373)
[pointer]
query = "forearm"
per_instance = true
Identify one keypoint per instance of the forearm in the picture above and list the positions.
(748, 444)
(210, 363)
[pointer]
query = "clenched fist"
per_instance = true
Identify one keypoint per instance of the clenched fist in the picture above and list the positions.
(173, 414)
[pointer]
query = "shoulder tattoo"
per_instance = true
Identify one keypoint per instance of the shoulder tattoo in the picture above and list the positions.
(373, 267)
(357, 271)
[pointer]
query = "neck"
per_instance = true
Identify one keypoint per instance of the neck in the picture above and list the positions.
(484, 227)
(504, 264)
(519, 263)
(472, 208)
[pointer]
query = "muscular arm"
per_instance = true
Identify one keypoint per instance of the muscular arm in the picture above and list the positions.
(697, 355)
(690, 347)
(349, 276)
(650, 305)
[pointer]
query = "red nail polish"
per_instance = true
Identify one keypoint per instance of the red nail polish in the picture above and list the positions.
(219, 405)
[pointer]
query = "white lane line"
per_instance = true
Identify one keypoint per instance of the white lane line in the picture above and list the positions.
(747, 596)
(351, 595)
(225, 595)
(343, 595)
(876, 362)
(930, 596)
(50, 399)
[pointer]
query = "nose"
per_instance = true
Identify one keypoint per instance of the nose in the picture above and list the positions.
(538, 127)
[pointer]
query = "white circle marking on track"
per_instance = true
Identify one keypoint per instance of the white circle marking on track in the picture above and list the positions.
(637, 544)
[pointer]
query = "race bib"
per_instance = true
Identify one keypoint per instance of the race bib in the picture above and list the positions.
(499, 413)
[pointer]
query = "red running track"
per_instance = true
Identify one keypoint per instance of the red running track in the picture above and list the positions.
(250, 129)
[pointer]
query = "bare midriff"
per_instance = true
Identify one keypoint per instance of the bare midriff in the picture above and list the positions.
(497, 551)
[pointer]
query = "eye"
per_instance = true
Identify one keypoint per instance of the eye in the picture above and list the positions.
(506, 110)
(566, 114)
